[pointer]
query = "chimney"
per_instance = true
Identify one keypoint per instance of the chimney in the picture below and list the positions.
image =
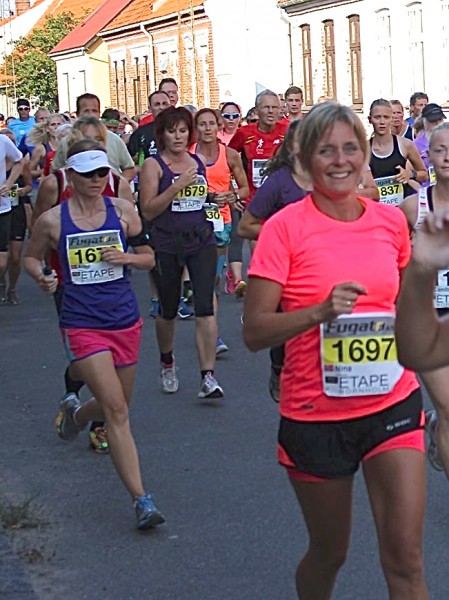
(22, 6)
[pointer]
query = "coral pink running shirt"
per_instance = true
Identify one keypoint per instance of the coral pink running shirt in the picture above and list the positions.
(308, 253)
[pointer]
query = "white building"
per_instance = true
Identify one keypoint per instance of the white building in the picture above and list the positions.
(360, 50)
(251, 48)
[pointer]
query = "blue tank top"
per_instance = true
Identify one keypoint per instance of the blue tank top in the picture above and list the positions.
(182, 228)
(97, 294)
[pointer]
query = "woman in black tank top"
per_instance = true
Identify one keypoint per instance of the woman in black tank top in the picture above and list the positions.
(389, 157)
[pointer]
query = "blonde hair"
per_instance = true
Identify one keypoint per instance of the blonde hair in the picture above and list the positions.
(318, 121)
(39, 134)
(83, 122)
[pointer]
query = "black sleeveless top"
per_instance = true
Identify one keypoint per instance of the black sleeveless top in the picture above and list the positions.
(386, 166)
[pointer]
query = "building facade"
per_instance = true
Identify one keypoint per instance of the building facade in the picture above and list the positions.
(359, 50)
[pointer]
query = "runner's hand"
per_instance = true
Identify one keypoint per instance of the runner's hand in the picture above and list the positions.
(223, 198)
(341, 300)
(431, 243)
(403, 176)
(114, 256)
(239, 205)
(48, 283)
(187, 178)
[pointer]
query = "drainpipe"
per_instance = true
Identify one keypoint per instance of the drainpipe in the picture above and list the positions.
(289, 25)
(152, 74)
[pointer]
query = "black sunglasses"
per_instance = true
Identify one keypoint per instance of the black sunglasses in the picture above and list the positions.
(101, 172)
(252, 120)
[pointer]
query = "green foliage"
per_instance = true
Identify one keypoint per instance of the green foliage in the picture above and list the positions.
(29, 64)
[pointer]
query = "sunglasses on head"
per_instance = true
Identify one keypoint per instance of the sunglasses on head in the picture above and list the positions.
(230, 116)
(23, 108)
(100, 172)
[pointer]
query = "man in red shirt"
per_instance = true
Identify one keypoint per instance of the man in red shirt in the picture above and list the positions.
(258, 142)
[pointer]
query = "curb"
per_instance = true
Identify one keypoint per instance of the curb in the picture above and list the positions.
(15, 583)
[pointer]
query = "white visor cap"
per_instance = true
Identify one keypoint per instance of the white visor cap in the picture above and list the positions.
(87, 161)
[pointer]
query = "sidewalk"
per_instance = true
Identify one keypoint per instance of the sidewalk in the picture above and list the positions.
(14, 581)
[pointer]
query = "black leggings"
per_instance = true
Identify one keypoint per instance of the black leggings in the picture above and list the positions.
(235, 248)
(168, 278)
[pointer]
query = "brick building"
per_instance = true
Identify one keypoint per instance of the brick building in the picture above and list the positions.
(168, 38)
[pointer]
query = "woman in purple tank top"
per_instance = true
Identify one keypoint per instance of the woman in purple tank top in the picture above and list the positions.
(99, 319)
(173, 192)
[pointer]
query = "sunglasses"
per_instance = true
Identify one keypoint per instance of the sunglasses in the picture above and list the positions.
(101, 172)
(252, 120)
(23, 108)
(231, 116)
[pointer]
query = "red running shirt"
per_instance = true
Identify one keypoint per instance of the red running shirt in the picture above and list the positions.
(308, 253)
(257, 147)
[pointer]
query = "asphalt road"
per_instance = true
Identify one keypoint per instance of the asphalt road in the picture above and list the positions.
(233, 530)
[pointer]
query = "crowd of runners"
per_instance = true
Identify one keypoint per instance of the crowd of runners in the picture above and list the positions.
(331, 210)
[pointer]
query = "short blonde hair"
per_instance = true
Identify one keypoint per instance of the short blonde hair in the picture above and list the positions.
(83, 122)
(318, 121)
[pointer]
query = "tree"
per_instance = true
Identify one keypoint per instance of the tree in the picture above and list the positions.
(29, 65)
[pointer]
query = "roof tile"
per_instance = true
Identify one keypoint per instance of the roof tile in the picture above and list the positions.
(139, 11)
(88, 29)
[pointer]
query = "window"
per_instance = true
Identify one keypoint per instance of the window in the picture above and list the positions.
(355, 56)
(415, 58)
(125, 92)
(307, 64)
(116, 82)
(137, 91)
(67, 90)
(82, 78)
(385, 83)
(330, 84)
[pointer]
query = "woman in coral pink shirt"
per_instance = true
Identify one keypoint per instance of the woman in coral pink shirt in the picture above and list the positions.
(333, 262)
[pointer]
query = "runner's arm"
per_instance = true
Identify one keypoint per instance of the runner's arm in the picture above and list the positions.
(124, 190)
(264, 327)
(367, 186)
(422, 337)
(236, 165)
(37, 247)
(410, 208)
(38, 154)
(417, 163)
(47, 196)
(249, 226)
(143, 255)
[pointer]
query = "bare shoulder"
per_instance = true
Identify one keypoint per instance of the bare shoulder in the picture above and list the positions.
(50, 218)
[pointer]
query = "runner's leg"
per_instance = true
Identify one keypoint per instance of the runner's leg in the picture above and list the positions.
(396, 483)
(327, 510)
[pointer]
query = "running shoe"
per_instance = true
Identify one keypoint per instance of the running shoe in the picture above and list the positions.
(11, 297)
(274, 383)
(154, 308)
(184, 311)
(65, 424)
(210, 388)
(169, 379)
(240, 289)
(432, 449)
(98, 440)
(147, 513)
(221, 346)
(230, 282)
(2, 293)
